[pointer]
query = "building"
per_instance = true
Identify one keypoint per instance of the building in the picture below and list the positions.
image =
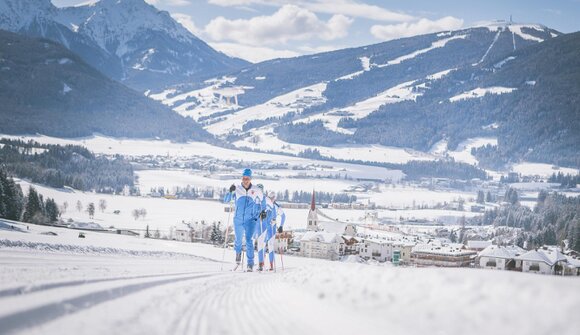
(499, 258)
(312, 224)
(283, 241)
(351, 244)
(573, 266)
(545, 260)
(405, 249)
(439, 254)
(183, 235)
(320, 244)
(377, 249)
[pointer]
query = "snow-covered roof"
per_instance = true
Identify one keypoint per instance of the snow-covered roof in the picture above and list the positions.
(443, 249)
(332, 227)
(548, 256)
(573, 262)
(478, 244)
(404, 244)
(320, 236)
(507, 252)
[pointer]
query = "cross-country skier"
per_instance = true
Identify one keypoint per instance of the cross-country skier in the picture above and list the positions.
(273, 211)
(248, 209)
(261, 233)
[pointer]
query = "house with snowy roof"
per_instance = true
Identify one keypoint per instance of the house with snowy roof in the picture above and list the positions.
(572, 267)
(442, 254)
(499, 257)
(378, 249)
(320, 244)
(544, 260)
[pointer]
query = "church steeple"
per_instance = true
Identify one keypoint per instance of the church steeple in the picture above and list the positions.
(312, 214)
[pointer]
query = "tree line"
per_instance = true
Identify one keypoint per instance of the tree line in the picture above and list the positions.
(555, 220)
(70, 165)
(31, 208)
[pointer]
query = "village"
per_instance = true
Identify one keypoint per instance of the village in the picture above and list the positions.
(397, 245)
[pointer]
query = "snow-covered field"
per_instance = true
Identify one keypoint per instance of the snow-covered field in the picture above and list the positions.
(110, 284)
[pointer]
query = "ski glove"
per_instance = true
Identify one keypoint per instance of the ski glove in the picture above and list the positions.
(232, 188)
(280, 230)
(263, 215)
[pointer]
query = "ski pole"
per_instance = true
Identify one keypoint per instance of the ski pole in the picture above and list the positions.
(243, 252)
(226, 237)
(281, 253)
(273, 228)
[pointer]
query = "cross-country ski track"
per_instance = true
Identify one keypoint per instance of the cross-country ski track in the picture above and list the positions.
(58, 285)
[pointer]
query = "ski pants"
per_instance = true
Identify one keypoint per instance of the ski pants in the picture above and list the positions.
(245, 229)
(261, 227)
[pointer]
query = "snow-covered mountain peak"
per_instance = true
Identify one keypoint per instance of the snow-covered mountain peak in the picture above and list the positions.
(112, 24)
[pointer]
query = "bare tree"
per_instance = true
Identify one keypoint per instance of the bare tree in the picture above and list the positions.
(79, 206)
(102, 205)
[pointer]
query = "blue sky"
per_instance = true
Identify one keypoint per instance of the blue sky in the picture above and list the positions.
(263, 29)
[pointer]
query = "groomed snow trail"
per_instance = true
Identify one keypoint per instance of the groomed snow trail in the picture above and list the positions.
(182, 291)
(146, 302)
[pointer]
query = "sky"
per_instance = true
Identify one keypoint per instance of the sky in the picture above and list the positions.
(258, 30)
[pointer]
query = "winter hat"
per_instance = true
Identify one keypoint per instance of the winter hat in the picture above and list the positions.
(247, 173)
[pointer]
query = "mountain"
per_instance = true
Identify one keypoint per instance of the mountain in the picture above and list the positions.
(514, 83)
(45, 88)
(128, 40)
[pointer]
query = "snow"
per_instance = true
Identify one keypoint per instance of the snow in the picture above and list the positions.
(463, 152)
(515, 28)
(206, 98)
(279, 106)
(362, 109)
(506, 252)
(64, 61)
(366, 66)
(66, 89)
(541, 169)
(503, 62)
(495, 38)
(169, 287)
(481, 92)
(267, 140)
(437, 44)
(439, 75)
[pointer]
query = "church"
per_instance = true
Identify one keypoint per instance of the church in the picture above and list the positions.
(324, 238)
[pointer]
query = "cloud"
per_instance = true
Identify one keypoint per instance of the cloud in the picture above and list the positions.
(290, 22)
(344, 7)
(186, 21)
(252, 53)
(175, 3)
(422, 26)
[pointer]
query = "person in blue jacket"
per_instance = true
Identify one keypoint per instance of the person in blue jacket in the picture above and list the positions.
(273, 211)
(248, 201)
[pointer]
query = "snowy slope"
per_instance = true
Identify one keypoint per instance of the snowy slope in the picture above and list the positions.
(67, 291)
